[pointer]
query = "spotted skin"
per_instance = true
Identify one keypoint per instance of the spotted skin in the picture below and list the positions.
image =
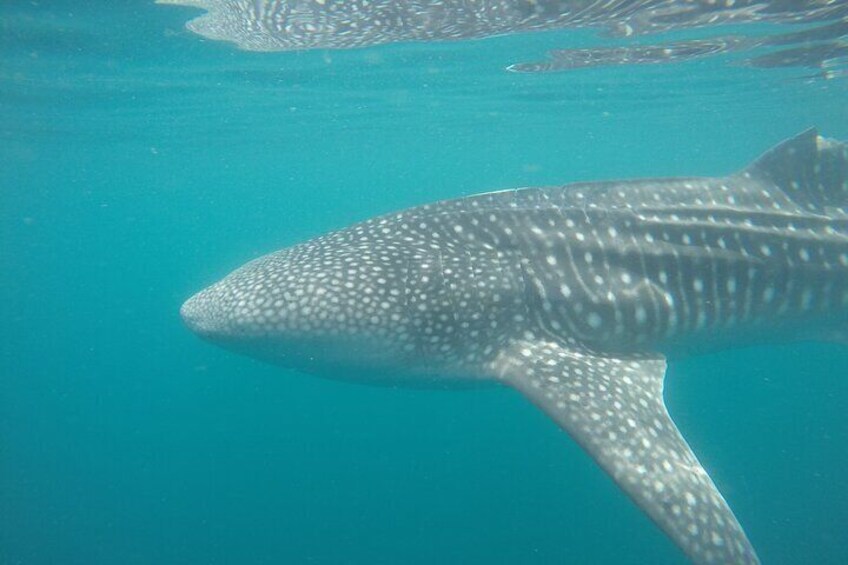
(574, 296)
(614, 409)
(285, 25)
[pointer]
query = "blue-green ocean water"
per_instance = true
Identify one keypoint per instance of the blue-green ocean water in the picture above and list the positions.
(138, 163)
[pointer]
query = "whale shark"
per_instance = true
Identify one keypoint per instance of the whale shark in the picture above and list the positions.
(285, 25)
(288, 25)
(576, 296)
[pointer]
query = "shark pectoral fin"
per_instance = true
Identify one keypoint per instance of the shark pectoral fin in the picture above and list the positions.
(614, 409)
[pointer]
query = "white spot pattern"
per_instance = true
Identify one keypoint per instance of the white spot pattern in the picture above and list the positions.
(628, 431)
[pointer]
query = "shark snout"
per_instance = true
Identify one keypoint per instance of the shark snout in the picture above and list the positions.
(220, 314)
(199, 314)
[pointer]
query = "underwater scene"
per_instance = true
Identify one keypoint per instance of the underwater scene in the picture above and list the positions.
(423, 281)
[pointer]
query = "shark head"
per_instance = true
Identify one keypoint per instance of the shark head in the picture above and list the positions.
(314, 306)
(391, 300)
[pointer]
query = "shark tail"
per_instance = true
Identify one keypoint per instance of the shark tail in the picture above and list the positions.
(812, 170)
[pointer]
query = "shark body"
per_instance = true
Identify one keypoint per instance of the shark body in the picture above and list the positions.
(288, 25)
(575, 296)
(285, 25)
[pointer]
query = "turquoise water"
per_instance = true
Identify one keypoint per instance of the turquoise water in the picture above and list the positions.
(138, 163)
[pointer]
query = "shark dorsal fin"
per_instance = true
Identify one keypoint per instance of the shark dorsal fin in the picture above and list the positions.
(810, 169)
